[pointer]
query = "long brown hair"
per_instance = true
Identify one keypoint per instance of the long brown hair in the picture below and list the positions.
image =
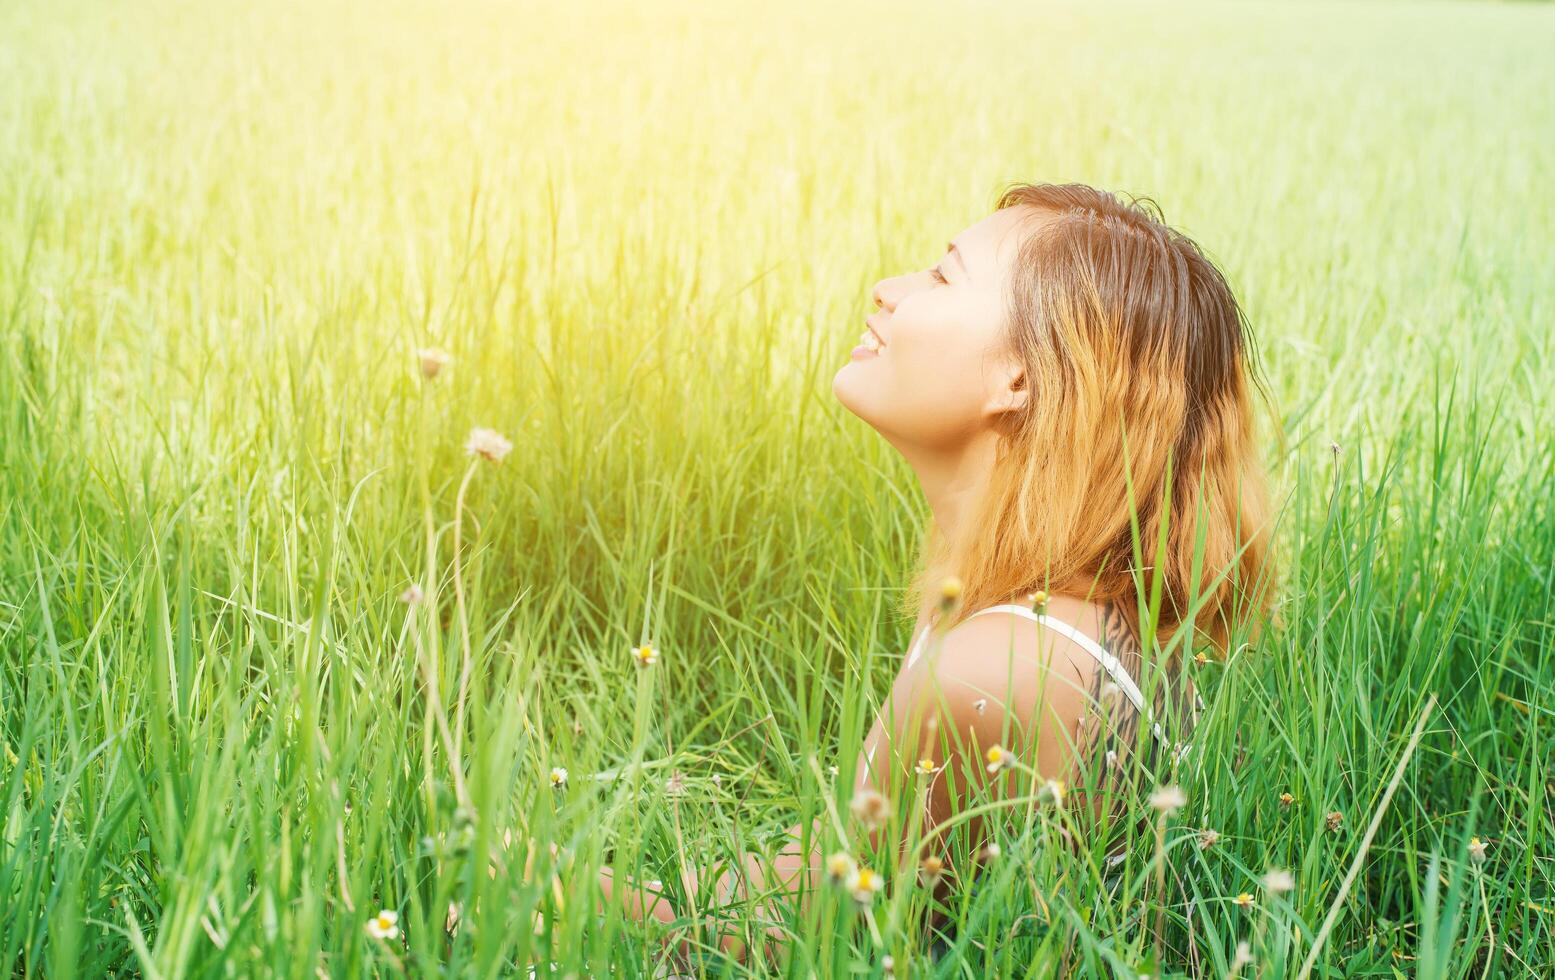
(1140, 358)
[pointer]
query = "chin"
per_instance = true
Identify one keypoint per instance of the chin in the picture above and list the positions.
(842, 388)
(845, 388)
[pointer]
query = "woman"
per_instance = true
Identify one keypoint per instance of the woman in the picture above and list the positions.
(1071, 384)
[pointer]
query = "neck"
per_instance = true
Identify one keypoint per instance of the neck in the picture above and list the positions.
(954, 482)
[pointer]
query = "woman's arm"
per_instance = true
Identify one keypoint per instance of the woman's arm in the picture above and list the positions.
(793, 869)
(972, 691)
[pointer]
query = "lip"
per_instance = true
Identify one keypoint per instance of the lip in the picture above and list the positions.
(871, 328)
(861, 353)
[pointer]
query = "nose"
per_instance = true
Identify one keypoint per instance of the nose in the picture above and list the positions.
(880, 294)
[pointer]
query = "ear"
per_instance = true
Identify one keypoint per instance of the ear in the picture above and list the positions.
(1011, 391)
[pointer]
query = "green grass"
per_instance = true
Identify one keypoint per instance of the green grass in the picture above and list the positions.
(647, 234)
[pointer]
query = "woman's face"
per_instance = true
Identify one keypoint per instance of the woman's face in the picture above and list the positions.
(942, 370)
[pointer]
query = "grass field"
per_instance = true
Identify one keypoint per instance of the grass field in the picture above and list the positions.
(646, 233)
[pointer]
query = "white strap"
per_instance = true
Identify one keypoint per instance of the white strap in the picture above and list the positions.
(917, 647)
(1109, 663)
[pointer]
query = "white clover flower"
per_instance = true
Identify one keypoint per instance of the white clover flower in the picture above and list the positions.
(488, 443)
(384, 925)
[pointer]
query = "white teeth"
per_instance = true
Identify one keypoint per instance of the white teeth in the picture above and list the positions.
(869, 342)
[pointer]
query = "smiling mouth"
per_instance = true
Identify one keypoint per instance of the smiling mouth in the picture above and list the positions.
(871, 340)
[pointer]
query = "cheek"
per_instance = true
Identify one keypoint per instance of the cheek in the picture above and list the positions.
(934, 389)
(925, 389)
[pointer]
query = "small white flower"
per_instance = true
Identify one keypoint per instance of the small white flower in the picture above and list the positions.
(1168, 799)
(1476, 850)
(840, 867)
(488, 443)
(412, 595)
(864, 885)
(1052, 792)
(675, 785)
(870, 808)
(931, 869)
(980, 705)
(433, 360)
(646, 655)
(925, 767)
(999, 758)
(558, 777)
(1278, 880)
(384, 925)
(1208, 838)
(992, 851)
(1244, 954)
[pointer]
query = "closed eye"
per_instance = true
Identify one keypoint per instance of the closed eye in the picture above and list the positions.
(935, 274)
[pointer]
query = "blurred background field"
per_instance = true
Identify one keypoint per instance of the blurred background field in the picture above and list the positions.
(646, 233)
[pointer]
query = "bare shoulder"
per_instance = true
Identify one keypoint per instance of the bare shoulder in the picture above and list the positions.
(1006, 647)
(1001, 666)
